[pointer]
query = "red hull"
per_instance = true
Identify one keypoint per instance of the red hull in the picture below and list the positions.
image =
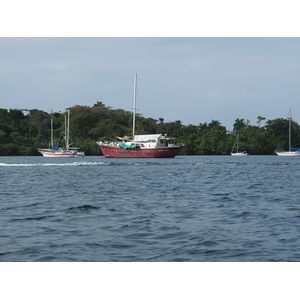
(109, 151)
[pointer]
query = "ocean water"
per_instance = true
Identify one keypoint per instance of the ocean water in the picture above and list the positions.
(189, 209)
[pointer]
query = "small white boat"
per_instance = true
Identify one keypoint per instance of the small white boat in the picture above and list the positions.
(237, 153)
(289, 153)
(293, 152)
(57, 153)
(80, 154)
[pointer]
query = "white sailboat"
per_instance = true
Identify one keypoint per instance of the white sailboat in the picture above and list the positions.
(60, 151)
(237, 153)
(292, 151)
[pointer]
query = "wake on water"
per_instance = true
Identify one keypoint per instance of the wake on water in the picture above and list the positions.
(52, 164)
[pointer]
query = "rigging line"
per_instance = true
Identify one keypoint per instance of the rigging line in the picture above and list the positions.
(126, 98)
(146, 96)
(147, 101)
(143, 94)
(280, 138)
(45, 131)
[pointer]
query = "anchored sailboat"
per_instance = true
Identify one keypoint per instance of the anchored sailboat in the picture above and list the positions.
(237, 153)
(66, 151)
(150, 146)
(292, 151)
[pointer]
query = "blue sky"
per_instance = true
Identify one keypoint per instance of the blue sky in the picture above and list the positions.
(194, 80)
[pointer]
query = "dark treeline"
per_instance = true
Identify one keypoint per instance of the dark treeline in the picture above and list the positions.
(22, 131)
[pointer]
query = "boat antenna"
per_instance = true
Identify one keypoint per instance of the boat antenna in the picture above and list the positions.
(134, 104)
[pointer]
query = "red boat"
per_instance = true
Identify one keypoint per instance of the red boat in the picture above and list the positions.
(151, 145)
(148, 146)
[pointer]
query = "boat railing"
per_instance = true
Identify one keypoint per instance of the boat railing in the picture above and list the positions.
(107, 143)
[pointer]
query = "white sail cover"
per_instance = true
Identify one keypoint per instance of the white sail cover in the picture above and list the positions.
(145, 138)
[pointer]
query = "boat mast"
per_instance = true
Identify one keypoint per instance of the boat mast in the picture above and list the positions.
(51, 121)
(66, 133)
(67, 124)
(68, 127)
(134, 104)
(290, 131)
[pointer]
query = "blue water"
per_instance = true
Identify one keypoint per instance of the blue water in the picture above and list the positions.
(190, 208)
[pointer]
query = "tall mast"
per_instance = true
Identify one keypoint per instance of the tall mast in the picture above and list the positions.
(68, 130)
(66, 133)
(290, 131)
(134, 104)
(51, 120)
(68, 127)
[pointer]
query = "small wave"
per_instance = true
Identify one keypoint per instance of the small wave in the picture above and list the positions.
(122, 246)
(15, 165)
(85, 207)
(34, 218)
(95, 244)
(4, 253)
(243, 214)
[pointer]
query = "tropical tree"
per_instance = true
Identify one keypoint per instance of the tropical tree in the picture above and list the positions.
(213, 123)
(260, 119)
(239, 124)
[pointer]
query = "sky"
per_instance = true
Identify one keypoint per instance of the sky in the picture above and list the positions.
(191, 79)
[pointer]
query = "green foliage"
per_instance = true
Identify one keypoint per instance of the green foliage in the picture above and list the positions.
(22, 131)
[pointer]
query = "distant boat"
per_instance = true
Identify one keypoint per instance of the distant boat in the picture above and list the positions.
(237, 153)
(80, 154)
(147, 146)
(63, 152)
(292, 151)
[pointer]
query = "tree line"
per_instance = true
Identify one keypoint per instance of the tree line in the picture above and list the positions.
(22, 131)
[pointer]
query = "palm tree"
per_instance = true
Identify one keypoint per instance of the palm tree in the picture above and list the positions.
(238, 124)
(213, 124)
